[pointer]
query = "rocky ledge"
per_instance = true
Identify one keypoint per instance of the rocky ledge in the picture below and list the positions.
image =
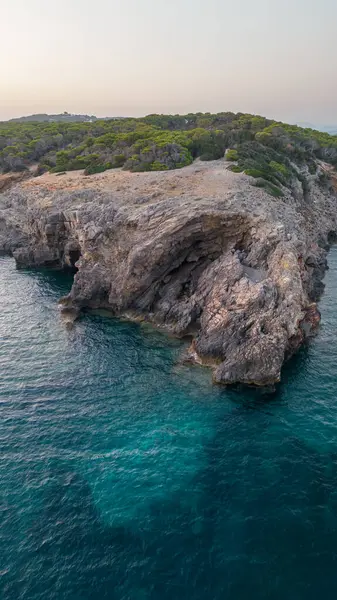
(200, 252)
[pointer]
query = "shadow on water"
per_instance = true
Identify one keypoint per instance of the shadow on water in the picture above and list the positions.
(67, 551)
(281, 503)
(253, 398)
(56, 281)
(240, 514)
(295, 365)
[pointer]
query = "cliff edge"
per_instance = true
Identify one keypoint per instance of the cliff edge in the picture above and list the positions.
(199, 251)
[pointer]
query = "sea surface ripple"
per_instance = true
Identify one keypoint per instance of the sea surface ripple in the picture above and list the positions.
(126, 476)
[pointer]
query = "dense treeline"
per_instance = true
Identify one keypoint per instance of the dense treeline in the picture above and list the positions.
(269, 151)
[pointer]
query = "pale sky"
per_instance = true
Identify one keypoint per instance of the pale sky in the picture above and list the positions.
(277, 58)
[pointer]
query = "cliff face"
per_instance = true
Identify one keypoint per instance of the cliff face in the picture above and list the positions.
(199, 251)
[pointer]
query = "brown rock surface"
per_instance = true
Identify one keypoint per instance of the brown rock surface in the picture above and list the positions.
(198, 251)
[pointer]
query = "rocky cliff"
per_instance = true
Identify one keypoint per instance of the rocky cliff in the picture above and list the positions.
(199, 252)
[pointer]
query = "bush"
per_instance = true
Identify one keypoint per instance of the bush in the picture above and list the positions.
(158, 166)
(276, 166)
(137, 166)
(131, 163)
(324, 180)
(254, 173)
(235, 169)
(232, 155)
(95, 168)
(272, 189)
(119, 160)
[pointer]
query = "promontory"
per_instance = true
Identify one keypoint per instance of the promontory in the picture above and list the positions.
(213, 227)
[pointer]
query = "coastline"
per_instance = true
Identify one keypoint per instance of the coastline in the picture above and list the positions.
(199, 252)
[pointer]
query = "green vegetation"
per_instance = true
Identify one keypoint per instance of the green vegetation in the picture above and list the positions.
(272, 153)
(232, 155)
(272, 189)
(236, 169)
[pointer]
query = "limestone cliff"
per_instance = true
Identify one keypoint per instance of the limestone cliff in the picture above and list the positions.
(199, 251)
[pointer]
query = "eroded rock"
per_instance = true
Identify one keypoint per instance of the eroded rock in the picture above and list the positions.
(210, 256)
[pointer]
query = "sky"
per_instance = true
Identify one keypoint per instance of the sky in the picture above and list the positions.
(134, 57)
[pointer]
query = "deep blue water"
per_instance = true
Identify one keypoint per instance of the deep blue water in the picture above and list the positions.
(129, 477)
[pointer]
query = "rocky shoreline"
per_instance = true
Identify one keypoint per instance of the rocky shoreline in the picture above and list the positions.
(199, 252)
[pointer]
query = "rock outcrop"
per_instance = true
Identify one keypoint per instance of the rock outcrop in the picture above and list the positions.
(199, 251)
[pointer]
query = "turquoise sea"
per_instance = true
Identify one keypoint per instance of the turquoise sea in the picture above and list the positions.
(126, 476)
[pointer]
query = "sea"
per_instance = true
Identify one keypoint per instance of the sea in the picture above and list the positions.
(126, 475)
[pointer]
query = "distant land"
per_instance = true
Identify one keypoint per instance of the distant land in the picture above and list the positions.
(331, 129)
(62, 117)
(67, 117)
(42, 118)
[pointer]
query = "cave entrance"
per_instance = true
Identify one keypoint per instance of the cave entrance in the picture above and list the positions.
(73, 256)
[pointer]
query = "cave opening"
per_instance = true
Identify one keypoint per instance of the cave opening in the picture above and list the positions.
(73, 256)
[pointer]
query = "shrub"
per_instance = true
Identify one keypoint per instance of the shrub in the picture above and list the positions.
(324, 180)
(312, 168)
(94, 168)
(235, 168)
(232, 155)
(272, 189)
(158, 166)
(131, 164)
(278, 167)
(119, 160)
(254, 173)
